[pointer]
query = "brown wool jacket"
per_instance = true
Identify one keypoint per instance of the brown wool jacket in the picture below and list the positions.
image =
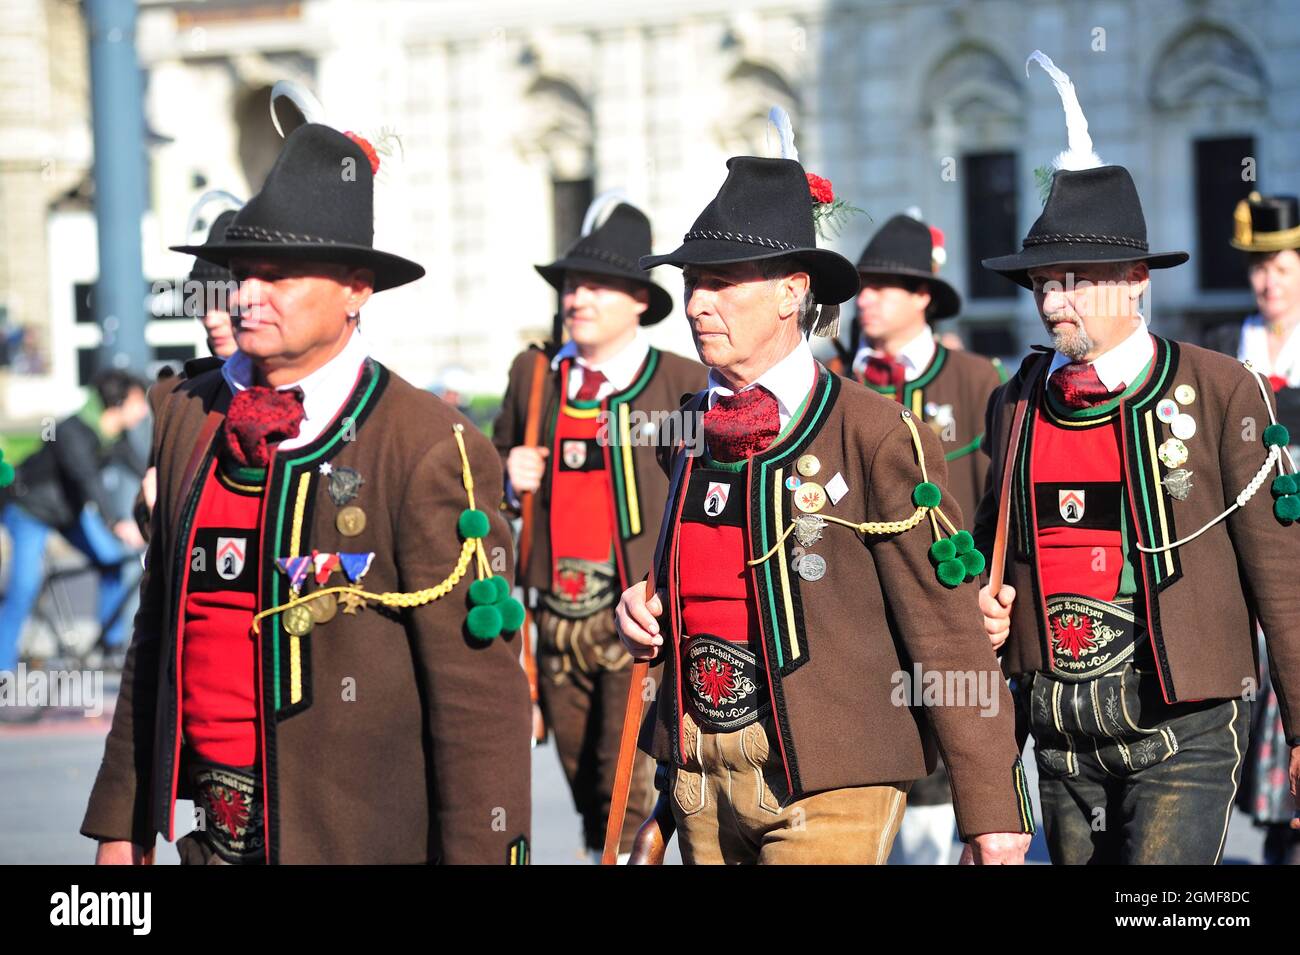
(952, 395)
(1203, 598)
(427, 758)
(834, 648)
(639, 493)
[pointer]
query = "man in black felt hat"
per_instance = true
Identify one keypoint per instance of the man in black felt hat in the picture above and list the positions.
(322, 659)
(1127, 476)
(809, 568)
(592, 492)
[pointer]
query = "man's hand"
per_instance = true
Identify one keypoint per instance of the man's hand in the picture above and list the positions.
(149, 485)
(997, 613)
(114, 852)
(637, 627)
(129, 534)
(525, 467)
(997, 848)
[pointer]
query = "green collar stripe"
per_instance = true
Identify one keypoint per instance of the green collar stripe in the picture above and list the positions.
(615, 436)
(813, 422)
(279, 526)
(1143, 484)
(965, 449)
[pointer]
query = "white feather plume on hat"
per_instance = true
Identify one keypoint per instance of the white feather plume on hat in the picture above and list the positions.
(601, 208)
(1079, 154)
(213, 197)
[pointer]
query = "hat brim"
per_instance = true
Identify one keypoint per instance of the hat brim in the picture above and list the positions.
(1273, 246)
(945, 301)
(390, 270)
(661, 303)
(834, 278)
(1016, 267)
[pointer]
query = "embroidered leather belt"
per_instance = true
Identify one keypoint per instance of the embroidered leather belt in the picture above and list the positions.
(725, 686)
(581, 587)
(231, 800)
(1088, 637)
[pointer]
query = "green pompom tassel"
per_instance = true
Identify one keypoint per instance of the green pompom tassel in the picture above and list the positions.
(484, 623)
(1285, 484)
(1277, 436)
(472, 523)
(6, 473)
(926, 494)
(963, 542)
(1287, 509)
(483, 593)
(942, 550)
(512, 614)
(973, 561)
(951, 573)
(503, 588)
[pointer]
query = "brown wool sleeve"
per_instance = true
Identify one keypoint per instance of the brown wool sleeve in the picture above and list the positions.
(478, 715)
(940, 630)
(1266, 550)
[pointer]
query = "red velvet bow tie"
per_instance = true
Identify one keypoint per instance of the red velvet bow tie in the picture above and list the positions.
(741, 424)
(1077, 385)
(882, 371)
(590, 387)
(258, 418)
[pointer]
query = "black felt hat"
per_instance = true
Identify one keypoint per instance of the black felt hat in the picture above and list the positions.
(317, 205)
(1091, 216)
(764, 210)
(613, 248)
(904, 246)
(1266, 224)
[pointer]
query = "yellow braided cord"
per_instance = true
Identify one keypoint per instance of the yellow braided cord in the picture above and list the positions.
(468, 550)
(871, 527)
(944, 517)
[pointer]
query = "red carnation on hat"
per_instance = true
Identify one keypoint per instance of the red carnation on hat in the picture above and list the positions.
(820, 188)
(366, 148)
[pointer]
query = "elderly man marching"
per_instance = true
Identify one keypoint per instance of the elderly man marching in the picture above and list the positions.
(1130, 490)
(809, 565)
(595, 410)
(319, 661)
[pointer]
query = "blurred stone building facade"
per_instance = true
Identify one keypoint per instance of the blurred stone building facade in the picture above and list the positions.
(512, 114)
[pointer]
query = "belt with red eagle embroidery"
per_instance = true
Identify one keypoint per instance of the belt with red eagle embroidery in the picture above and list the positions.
(724, 684)
(1088, 637)
(230, 800)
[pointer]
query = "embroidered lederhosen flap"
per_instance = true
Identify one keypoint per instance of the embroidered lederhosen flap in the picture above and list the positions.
(1088, 637)
(582, 587)
(231, 800)
(724, 684)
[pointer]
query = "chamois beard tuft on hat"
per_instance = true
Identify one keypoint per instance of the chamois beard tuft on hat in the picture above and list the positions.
(1079, 154)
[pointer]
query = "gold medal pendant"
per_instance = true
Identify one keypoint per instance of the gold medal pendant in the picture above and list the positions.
(298, 621)
(323, 608)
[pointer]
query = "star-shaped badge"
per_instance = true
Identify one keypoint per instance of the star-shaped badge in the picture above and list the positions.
(326, 468)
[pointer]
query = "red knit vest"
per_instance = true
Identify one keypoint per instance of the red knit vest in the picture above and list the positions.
(582, 502)
(219, 655)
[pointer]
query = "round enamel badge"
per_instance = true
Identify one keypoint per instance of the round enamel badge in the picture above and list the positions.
(1167, 410)
(1183, 426)
(812, 567)
(1173, 453)
(808, 465)
(1185, 394)
(792, 482)
(810, 497)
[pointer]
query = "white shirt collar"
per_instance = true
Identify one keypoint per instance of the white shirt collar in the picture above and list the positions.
(324, 390)
(790, 380)
(619, 370)
(1253, 347)
(915, 356)
(1120, 365)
